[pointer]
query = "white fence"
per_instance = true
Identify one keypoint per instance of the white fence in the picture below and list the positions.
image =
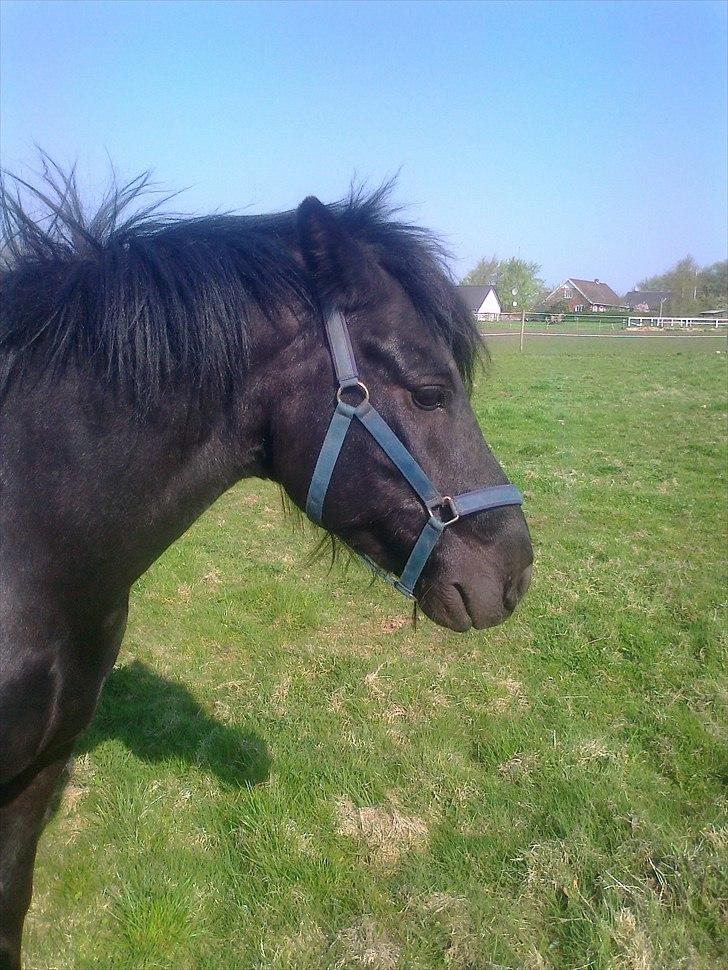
(677, 323)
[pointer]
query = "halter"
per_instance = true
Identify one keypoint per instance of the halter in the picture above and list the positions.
(443, 511)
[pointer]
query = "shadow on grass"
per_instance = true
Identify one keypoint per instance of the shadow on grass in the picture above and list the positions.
(160, 721)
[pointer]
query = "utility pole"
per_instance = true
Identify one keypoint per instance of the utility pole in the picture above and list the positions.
(514, 294)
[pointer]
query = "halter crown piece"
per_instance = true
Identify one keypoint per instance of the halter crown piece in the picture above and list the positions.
(443, 511)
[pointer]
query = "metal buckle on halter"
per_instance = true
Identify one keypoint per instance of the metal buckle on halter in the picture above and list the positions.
(440, 504)
(352, 386)
(349, 387)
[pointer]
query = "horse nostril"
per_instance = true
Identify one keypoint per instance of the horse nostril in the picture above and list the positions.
(515, 589)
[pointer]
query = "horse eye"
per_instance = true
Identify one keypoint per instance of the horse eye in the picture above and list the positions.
(429, 398)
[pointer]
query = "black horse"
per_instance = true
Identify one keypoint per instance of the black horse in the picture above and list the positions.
(148, 363)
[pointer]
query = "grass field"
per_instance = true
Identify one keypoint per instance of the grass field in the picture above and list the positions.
(283, 773)
(593, 323)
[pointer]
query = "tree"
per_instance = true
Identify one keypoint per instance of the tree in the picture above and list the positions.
(713, 286)
(559, 307)
(509, 274)
(692, 289)
(682, 282)
(521, 275)
(484, 272)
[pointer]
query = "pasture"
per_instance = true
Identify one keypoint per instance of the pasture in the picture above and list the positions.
(283, 773)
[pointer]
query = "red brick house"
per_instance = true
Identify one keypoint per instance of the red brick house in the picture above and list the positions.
(584, 296)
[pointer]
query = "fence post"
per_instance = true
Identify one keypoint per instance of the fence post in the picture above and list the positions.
(523, 327)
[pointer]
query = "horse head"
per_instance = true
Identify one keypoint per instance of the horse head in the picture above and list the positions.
(412, 344)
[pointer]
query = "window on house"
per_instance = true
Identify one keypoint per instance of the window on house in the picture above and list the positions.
(579, 308)
(568, 293)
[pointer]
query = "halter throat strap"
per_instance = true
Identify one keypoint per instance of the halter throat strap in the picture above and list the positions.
(443, 511)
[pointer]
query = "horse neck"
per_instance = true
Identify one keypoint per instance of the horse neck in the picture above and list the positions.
(100, 490)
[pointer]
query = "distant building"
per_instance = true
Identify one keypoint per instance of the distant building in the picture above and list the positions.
(581, 296)
(481, 300)
(647, 301)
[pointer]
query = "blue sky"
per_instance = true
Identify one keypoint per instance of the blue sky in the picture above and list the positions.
(589, 137)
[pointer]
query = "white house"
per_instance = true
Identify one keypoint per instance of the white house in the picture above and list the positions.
(481, 300)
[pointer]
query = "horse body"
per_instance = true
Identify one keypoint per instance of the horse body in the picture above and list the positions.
(76, 524)
(99, 477)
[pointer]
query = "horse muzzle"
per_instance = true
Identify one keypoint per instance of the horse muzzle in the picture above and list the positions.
(477, 594)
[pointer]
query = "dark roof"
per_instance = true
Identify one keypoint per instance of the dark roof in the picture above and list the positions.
(596, 292)
(652, 298)
(475, 294)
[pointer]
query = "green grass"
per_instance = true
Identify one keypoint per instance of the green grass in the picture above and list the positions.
(594, 323)
(284, 774)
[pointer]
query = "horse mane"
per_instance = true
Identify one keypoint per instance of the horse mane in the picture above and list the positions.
(140, 297)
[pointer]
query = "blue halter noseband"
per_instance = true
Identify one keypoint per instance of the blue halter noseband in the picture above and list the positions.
(455, 507)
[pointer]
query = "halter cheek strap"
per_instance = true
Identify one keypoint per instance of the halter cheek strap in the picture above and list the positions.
(443, 511)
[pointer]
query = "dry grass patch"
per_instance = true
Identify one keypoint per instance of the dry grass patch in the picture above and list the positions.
(462, 947)
(534, 961)
(397, 713)
(372, 682)
(396, 623)
(366, 945)
(76, 786)
(385, 830)
(519, 766)
(549, 866)
(513, 699)
(337, 700)
(71, 791)
(593, 750)
(280, 695)
(223, 712)
(717, 836)
(212, 577)
(300, 948)
(634, 946)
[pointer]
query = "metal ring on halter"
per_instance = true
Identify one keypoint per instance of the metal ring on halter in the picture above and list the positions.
(362, 387)
(447, 500)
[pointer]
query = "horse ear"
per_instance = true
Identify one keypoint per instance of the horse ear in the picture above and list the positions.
(333, 257)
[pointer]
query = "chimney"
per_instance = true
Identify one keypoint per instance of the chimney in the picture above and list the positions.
(596, 281)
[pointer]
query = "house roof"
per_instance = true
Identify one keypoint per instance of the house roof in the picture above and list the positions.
(596, 292)
(474, 295)
(593, 291)
(653, 298)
